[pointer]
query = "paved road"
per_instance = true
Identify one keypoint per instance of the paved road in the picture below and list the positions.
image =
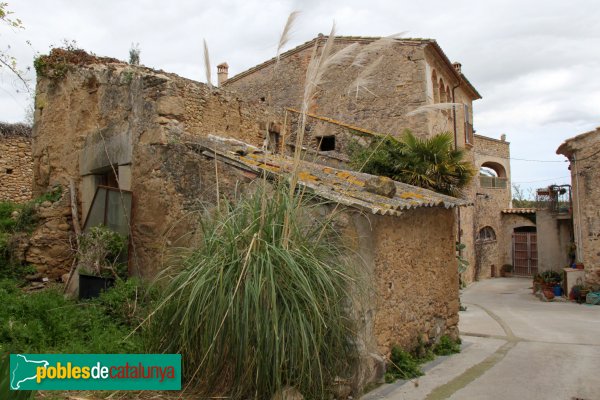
(514, 347)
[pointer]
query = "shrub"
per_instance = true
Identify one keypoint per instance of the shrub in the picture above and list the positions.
(46, 322)
(402, 366)
(446, 346)
(260, 303)
(101, 251)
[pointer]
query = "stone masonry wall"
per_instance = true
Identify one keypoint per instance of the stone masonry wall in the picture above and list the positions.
(396, 88)
(415, 284)
(584, 153)
(106, 113)
(16, 168)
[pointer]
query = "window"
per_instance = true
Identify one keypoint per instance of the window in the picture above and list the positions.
(326, 143)
(486, 234)
(9, 171)
(468, 126)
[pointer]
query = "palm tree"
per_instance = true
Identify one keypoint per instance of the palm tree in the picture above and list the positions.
(429, 163)
(433, 164)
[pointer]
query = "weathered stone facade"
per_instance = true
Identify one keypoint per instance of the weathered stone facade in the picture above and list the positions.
(16, 164)
(407, 74)
(583, 151)
(493, 194)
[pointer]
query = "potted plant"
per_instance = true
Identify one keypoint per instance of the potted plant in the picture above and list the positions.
(507, 270)
(100, 260)
(550, 279)
(579, 265)
(537, 283)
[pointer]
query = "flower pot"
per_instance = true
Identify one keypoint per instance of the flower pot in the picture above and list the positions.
(579, 266)
(557, 291)
(91, 286)
(548, 294)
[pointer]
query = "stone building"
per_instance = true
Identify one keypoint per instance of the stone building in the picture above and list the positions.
(147, 150)
(398, 84)
(16, 164)
(583, 152)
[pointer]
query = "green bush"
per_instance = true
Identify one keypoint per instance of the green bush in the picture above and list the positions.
(46, 322)
(446, 346)
(430, 163)
(402, 366)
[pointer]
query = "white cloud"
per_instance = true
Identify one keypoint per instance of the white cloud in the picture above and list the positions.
(535, 62)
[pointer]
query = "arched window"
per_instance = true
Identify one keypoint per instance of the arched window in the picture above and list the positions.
(486, 234)
(436, 94)
(442, 90)
(492, 175)
(491, 168)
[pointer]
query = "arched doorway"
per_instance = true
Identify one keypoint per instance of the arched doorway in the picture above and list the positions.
(524, 251)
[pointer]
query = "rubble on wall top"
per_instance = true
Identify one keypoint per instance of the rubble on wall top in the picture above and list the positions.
(341, 186)
(12, 130)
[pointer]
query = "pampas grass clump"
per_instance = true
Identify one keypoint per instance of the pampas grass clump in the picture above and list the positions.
(256, 307)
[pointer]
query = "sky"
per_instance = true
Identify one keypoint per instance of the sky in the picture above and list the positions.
(535, 63)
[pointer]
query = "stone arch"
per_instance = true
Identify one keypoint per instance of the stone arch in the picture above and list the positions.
(434, 80)
(491, 166)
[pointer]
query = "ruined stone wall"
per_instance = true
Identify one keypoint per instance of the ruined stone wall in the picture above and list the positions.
(50, 248)
(16, 168)
(101, 116)
(584, 153)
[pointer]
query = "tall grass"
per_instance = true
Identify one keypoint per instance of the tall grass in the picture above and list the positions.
(253, 309)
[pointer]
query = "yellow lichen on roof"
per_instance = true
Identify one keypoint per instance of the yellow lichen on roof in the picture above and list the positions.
(411, 195)
(307, 176)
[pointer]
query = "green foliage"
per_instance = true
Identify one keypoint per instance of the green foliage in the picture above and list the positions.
(463, 264)
(127, 302)
(402, 366)
(100, 252)
(507, 268)
(428, 163)
(446, 346)
(46, 322)
(23, 222)
(379, 158)
(261, 302)
(551, 276)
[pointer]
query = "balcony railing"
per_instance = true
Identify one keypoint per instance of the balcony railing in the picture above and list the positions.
(555, 198)
(492, 182)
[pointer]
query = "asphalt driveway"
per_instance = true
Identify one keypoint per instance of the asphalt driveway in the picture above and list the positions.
(514, 347)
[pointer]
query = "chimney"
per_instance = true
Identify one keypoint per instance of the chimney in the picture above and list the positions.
(222, 72)
(457, 66)
(503, 137)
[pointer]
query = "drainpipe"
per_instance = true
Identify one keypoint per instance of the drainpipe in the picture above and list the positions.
(456, 148)
(579, 241)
